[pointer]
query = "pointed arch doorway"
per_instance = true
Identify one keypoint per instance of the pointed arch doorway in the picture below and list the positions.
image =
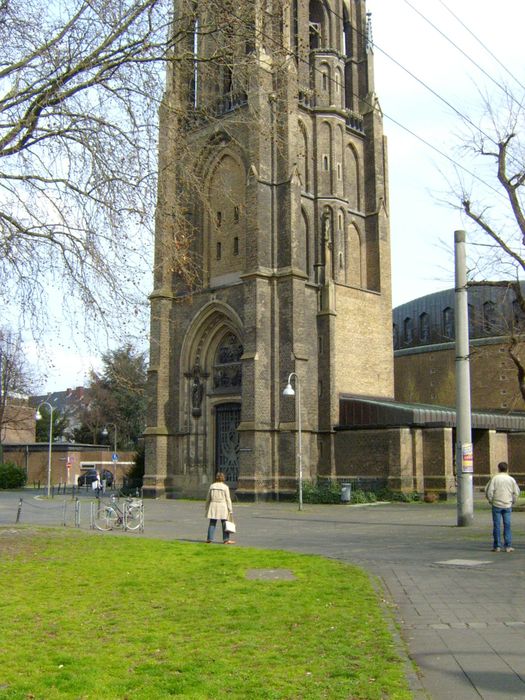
(227, 419)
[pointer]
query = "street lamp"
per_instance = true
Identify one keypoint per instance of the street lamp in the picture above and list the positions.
(289, 391)
(38, 416)
(105, 433)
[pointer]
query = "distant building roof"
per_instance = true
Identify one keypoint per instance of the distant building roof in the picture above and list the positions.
(70, 403)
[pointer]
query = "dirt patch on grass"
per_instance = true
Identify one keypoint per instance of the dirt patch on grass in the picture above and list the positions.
(18, 542)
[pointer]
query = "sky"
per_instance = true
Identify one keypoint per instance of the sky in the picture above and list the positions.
(422, 228)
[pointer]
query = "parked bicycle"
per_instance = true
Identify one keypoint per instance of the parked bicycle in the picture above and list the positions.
(109, 515)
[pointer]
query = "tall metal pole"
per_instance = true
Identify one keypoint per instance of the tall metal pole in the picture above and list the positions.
(289, 391)
(300, 440)
(464, 447)
(38, 416)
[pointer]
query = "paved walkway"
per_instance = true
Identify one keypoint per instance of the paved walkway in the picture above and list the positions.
(460, 607)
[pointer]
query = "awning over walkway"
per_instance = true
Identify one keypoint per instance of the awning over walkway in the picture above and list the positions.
(358, 412)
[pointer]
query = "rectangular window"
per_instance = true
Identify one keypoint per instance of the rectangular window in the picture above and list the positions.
(219, 251)
(236, 246)
(339, 171)
(325, 162)
(236, 215)
(218, 219)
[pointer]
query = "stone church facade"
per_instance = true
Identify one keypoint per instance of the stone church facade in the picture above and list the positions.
(287, 218)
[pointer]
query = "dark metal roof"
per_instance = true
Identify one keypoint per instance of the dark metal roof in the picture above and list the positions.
(356, 412)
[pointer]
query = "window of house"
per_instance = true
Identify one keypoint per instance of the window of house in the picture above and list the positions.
(219, 250)
(236, 215)
(236, 245)
(218, 219)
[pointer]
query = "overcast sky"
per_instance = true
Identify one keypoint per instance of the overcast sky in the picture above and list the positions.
(421, 228)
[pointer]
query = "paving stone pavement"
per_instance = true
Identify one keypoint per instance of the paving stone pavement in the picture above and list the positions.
(459, 606)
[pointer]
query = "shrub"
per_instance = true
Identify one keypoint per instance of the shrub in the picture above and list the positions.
(328, 491)
(11, 476)
(322, 492)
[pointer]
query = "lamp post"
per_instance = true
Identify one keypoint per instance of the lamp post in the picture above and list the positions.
(289, 391)
(105, 433)
(38, 416)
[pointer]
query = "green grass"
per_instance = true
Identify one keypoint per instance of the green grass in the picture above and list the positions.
(102, 617)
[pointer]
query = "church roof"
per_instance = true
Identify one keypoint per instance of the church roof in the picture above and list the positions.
(359, 412)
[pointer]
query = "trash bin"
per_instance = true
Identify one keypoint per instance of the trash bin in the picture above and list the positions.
(346, 493)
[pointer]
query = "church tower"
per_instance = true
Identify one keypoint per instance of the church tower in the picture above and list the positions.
(273, 196)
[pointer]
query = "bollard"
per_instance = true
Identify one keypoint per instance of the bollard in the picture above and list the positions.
(19, 512)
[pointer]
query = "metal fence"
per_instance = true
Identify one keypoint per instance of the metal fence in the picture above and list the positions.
(33, 507)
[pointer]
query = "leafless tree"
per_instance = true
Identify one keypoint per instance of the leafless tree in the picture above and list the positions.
(493, 203)
(81, 85)
(15, 382)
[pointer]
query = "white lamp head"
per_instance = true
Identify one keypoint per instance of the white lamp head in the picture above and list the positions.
(288, 390)
(105, 432)
(38, 415)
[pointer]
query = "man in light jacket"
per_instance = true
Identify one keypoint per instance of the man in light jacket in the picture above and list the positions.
(502, 492)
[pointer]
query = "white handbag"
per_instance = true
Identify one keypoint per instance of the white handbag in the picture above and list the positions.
(229, 526)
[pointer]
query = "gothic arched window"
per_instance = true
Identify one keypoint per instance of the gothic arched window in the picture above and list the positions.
(424, 327)
(227, 368)
(408, 327)
(317, 25)
(448, 322)
(489, 317)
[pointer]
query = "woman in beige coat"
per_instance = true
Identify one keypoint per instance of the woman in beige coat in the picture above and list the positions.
(219, 507)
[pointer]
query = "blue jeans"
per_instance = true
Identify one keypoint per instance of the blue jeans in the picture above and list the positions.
(499, 514)
(211, 530)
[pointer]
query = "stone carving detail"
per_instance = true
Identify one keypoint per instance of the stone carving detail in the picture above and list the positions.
(227, 370)
(197, 390)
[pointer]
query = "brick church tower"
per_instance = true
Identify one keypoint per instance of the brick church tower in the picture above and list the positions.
(273, 185)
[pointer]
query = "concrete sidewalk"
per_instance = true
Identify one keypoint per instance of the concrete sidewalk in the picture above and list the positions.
(460, 607)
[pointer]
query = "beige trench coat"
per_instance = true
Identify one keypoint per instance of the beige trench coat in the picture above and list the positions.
(218, 504)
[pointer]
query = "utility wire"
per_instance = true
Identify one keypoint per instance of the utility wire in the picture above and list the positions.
(292, 54)
(463, 53)
(482, 44)
(462, 116)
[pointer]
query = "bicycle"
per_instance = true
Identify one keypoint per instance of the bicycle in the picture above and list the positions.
(109, 515)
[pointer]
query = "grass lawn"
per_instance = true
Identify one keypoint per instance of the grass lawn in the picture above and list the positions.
(101, 617)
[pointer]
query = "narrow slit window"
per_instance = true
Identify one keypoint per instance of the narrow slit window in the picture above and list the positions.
(219, 251)
(236, 245)
(218, 219)
(236, 215)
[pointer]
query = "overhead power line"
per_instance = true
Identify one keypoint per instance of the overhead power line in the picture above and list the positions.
(474, 36)
(463, 53)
